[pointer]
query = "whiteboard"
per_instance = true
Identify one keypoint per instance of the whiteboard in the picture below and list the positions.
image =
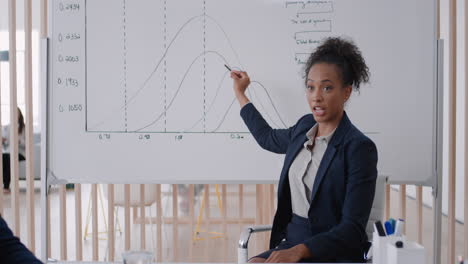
(138, 91)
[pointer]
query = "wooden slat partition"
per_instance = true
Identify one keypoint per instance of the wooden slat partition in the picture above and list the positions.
(259, 217)
(110, 216)
(175, 226)
(207, 215)
(241, 202)
(159, 223)
(63, 222)
(241, 206)
(143, 215)
(95, 233)
(272, 202)
(127, 216)
(266, 212)
(78, 223)
(403, 205)
(224, 218)
(29, 125)
(207, 204)
(15, 224)
(452, 128)
(419, 213)
(43, 34)
(191, 199)
(266, 205)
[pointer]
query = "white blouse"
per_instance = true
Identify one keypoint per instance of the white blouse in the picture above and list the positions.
(304, 169)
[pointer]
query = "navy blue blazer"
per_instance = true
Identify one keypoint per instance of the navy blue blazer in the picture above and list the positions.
(11, 249)
(342, 193)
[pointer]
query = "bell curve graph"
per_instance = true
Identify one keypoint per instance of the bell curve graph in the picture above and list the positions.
(158, 67)
(137, 86)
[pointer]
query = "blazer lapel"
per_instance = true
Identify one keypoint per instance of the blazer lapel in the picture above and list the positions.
(285, 175)
(324, 164)
(336, 140)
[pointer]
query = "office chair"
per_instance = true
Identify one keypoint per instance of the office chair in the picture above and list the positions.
(377, 213)
(135, 201)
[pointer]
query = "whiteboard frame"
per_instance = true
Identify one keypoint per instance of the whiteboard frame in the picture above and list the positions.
(431, 180)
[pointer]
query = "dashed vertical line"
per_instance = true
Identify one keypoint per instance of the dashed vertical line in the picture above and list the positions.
(165, 66)
(124, 21)
(204, 66)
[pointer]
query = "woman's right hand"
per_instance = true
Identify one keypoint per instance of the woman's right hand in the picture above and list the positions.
(241, 82)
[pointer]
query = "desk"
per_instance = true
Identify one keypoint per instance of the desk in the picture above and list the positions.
(85, 262)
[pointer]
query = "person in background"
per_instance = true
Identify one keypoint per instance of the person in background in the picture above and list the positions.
(6, 150)
(11, 248)
(184, 191)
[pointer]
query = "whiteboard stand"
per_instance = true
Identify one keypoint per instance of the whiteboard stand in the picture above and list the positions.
(46, 179)
(44, 138)
(437, 185)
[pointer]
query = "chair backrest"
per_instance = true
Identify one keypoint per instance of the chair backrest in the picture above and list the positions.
(378, 207)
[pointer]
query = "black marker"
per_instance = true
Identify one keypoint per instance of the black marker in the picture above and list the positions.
(229, 69)
(379, 228)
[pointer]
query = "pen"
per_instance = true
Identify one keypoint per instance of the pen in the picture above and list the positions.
(229, 69)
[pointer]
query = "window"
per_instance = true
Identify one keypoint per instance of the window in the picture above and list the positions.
(5, 77)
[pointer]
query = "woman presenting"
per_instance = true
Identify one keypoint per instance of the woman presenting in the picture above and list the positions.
(327, 184)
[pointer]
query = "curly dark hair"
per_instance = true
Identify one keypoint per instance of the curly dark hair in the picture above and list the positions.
(346, 56)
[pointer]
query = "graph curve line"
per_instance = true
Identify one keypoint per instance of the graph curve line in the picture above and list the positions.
(271, 100)
(225, 114)
(180, 85)
(135, 94)
(212, 103)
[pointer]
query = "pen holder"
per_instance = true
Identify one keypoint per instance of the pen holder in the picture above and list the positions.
(411, 252)
(379, 247)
